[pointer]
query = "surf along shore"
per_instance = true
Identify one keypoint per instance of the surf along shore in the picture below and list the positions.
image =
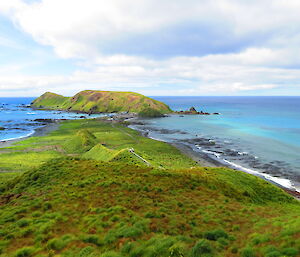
(129, 120)
(203, 159)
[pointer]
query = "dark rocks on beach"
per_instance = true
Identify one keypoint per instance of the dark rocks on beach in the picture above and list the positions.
(18, 128)
(140, 123)
(167, 131)
(230, 152)
(44, 120)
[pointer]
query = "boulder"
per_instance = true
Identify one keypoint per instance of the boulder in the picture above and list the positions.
(192, 109)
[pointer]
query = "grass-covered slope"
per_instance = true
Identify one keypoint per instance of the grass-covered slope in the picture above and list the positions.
(91, 101)
(73, 207)
(81, 142)
(126, 155)
(93, 203)
(80, 138)
(99, 153)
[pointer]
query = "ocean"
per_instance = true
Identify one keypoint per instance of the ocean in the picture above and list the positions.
(259, 135)
(18, 120)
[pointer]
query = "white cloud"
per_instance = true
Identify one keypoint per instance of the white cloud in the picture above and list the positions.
(76, 28)
(185, 75)
(81, 30)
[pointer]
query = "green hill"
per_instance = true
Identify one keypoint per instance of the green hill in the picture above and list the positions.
(81, 142)
(91, 101)
(99, 153)
(97, 202)
(102, 153)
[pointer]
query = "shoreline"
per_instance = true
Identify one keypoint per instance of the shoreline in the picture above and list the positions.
(204, 159)
(38, 132)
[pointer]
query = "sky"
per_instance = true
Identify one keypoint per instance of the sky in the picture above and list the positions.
(154, 47)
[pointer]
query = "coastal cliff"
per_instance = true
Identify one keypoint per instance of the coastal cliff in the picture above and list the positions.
(91, 101)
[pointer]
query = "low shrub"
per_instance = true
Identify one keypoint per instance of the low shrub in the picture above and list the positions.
(248, 252)
(201, 248)
(23, 223)
(290, 251)
(259, 238)
(85, 252)
(92, 239)
(215, 234)
(127, 247)
(25, 252)
(111, 254)
(59, 243)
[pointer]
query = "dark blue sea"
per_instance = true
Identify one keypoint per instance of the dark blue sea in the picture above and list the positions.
(255, 134)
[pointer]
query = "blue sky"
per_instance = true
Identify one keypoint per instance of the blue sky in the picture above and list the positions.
(170, 47)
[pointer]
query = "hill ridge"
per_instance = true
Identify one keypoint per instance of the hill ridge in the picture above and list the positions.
(95, 101)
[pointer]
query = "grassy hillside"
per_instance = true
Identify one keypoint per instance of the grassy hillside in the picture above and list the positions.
(96, 202)
(102, 101)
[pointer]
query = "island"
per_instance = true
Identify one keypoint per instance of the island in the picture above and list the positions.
(193, 111)
(92, 101)
(95, 187)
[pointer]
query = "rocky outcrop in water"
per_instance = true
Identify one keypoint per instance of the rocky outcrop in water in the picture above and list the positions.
(193, 110)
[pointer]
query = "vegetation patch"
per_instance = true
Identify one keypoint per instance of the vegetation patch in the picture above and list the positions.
(91, 101)
(104, 201)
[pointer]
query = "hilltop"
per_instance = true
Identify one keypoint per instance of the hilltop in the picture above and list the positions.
(91, 101)
(84, 190)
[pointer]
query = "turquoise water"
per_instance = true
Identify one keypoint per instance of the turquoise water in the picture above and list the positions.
(261, 134)
(256, 134)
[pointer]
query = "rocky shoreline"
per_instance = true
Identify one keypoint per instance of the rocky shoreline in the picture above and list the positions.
(187, 147)
(190, 147)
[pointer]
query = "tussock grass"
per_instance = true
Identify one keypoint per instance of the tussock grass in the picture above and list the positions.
(82, 142)
(99, 203)
(101, 101)
(99, 153)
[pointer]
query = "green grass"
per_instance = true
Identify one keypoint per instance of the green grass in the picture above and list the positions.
(81, 142)
(150, 113)
(99, 153)
(20, 161)
(94, 201)
(84, 138)
(103, 101)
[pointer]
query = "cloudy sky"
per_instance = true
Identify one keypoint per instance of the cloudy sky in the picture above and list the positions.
(155, 47)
